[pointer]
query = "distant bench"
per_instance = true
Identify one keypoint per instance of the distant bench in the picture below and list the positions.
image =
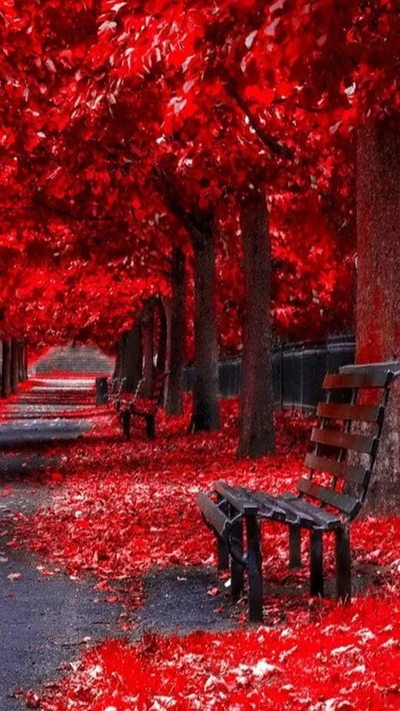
(139, 405)
(320, 505)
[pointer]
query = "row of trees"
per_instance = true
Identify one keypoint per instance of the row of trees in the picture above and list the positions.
(218, 129)
(14, 365)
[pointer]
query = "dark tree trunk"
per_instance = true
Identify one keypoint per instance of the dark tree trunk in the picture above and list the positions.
(21, 375)
(162, 336)
(167, 309)
(14, 365)
(205, 395)
(177, 336)
(148, 347)
(378, 292)
(6, 369)
(24, 360)
(122, 369)
(256, 422)
(118, 360)
(132, 361)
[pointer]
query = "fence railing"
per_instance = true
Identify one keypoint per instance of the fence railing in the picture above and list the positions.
(297, 370)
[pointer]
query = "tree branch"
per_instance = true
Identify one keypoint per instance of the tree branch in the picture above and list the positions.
(265, 137)
(169, 196)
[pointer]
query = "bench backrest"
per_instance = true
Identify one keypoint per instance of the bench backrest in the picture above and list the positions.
(346, 440)
(158, 389)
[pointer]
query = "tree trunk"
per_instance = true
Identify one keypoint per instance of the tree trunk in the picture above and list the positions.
(256, 422)
(118, 357)
(177, 336)
(20, 360)
(205, 396)
(6, 369)
(378, 293)
(148, 347)
(132, 362)
(14, 365)
(162, 336)
(24, 360)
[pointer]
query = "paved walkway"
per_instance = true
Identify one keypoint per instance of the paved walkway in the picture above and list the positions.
(47, 621)
(44, 621)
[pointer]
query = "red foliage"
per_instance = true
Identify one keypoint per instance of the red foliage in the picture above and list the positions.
(211, 98)
(348, 659)
(120, 509)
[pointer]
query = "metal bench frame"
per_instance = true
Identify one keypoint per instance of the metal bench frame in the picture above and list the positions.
(235, 514)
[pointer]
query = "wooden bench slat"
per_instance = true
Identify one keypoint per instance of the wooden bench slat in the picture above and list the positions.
(350, 472)
(320, 516)
(343, 440)
(357, 380)
(271, 506)
(213, 515)
(239, 499)
(355, 413)
(347, 504)
(292, 514)
(289, 509)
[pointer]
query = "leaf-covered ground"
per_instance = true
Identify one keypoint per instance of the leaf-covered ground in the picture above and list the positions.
(120, 509)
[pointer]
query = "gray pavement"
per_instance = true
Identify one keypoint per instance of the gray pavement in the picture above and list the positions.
(46, 622)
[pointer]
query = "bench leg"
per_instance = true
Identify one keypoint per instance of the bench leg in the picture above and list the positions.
(343, 564)
(316, 564)
(150, 426)
(126, 425)
(222, 548)
(237, 569)
(254, 573)
(294, 547)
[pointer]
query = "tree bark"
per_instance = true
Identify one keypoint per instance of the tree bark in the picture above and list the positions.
(148, 347)
(378, 293)
(6, 369)
(177, 336)
(161, 361)
(256, 422)
(14, 365)
(21, 374)
(24, 360)
(205, 396)
(133, 356)
(117, 365)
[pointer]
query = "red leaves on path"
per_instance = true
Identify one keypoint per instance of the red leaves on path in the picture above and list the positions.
(122, 508)
(347, 661)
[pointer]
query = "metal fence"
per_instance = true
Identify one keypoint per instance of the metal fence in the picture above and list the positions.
(298, 370)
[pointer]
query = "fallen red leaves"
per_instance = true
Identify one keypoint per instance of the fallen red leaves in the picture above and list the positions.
(347, 661)
(121, 508)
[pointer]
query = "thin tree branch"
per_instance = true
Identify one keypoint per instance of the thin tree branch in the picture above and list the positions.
(265, 137)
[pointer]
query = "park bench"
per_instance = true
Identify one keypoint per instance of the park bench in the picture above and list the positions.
(114, 390)
(345, 445)
(140, 406)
